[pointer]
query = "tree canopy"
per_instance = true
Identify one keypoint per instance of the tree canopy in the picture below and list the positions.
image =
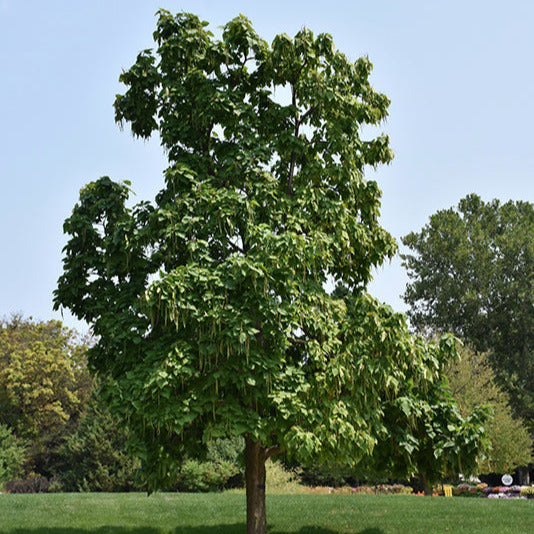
(43, 380)
(473, 383)
(210, 305)
(44, 385)
(425, 433)
(471, 272)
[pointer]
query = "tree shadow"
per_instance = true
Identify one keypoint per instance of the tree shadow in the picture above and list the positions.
(95, 530)
(322, 530)
(238, 528)
(241, 528)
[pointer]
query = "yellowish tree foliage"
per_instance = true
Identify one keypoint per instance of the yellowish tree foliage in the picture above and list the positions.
(472, 383)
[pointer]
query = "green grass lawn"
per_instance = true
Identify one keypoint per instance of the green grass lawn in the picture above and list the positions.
(225, 514)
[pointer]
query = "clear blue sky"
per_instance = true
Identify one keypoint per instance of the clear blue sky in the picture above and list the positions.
(459, 74)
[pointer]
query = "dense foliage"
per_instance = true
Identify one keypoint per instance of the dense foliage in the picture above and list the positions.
(46, 414)
(472, 383)
(77, 445)
(43, 379)
(93, 457)
(12, 455)
(423, 432)
(471, 272)
(222, 468)
(44, 384)
(210, 305)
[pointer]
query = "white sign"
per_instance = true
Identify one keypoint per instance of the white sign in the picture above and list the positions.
(507, 480)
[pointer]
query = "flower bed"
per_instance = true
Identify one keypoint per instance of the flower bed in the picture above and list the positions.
(468, 490)
(461, 490)
(382, 489)
(491, 492)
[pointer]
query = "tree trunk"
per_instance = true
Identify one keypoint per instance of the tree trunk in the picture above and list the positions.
(427, 489)
(255, 456)
(524, 476)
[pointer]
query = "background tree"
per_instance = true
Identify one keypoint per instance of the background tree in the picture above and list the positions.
(12, 455)
(209, 306)
(472, 273)
(44, 383)
(223, 467)
(472, 383)
(94, 457)
(424, 434)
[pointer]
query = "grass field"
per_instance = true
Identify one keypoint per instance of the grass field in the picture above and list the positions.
(225, 514)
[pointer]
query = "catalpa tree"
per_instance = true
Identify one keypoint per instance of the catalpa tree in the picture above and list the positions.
(210, 304)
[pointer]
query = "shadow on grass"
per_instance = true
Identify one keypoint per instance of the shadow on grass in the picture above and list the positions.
(322, 530)
(95, 530)
(238, 528)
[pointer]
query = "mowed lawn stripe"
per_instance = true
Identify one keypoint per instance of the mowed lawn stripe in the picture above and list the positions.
(135, 513)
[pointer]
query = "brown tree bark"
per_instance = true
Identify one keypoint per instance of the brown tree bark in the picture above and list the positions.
(427, 488)
(255, 456)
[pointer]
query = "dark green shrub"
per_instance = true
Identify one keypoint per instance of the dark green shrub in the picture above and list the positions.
(325, 475)
(12, 455)
(227, 450)
(198, 476)
(32, 484)
(223, 468)
(94, 457)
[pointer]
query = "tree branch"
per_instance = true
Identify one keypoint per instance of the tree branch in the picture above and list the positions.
(307, 114)
(272, 451)
(293, 153)
(298, 122)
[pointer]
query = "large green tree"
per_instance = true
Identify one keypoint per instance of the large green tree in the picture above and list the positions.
(209, 305)
(471, 271)
(472, 383)
(43, 384)
(425, 434)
